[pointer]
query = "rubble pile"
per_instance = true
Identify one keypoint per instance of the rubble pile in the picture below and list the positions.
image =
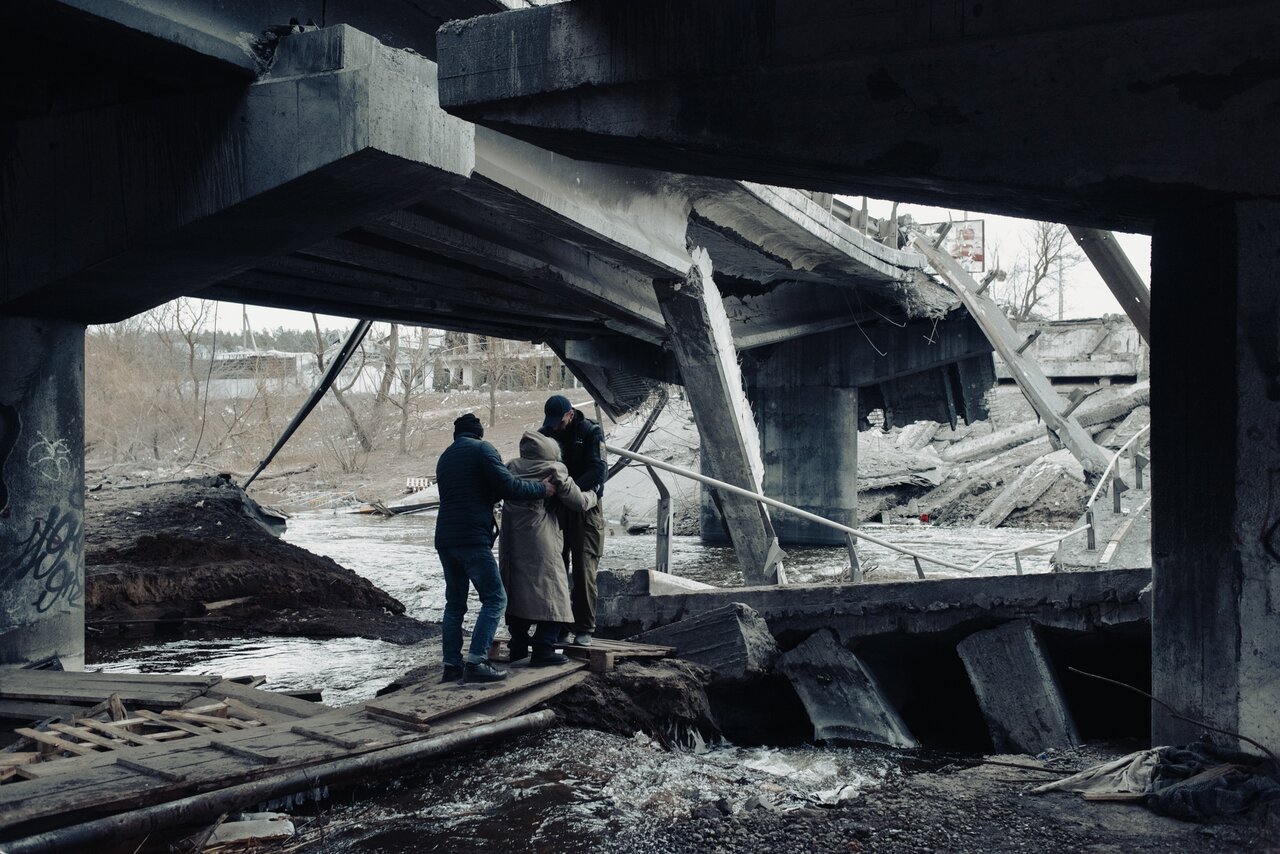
(981, 474)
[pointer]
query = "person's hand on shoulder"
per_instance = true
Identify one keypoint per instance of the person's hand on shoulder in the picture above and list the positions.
(548, 488)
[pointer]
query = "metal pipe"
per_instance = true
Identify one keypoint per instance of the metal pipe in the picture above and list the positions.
(208, 806)
(335, 367)
(771, 502)
(1014, 550)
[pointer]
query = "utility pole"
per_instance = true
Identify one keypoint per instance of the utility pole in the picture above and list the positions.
(1059, 288)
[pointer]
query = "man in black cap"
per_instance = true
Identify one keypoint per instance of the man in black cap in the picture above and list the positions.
(472, 479)
(582, 449)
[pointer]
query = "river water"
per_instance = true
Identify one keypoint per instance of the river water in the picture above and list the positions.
(566, 789)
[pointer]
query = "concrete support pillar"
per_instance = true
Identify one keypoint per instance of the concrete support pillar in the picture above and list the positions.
(809, 433)
(41, 491)
(1215, 403)
(708, 360)
(1017, 689)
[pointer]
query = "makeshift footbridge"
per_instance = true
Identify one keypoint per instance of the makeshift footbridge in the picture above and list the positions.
(118, 756)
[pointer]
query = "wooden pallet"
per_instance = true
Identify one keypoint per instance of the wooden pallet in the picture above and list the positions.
(116, 758)
(601, 656)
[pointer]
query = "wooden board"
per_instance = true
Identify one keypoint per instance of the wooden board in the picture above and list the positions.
(505, 707)
(267, 700)
(71, 688)
(425, 703)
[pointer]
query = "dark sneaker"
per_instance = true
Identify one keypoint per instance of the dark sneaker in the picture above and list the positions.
(582, 638)
(482, 672)
(547, 659)
(450, 673)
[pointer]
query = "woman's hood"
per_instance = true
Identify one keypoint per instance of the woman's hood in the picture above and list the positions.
(535, 446)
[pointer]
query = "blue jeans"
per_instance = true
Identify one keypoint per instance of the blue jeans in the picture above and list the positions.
(465, 565)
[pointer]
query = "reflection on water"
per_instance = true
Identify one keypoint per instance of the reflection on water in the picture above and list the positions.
(573, 790)
(397, 555)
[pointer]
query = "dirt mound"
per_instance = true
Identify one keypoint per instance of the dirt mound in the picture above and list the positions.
(168, 552)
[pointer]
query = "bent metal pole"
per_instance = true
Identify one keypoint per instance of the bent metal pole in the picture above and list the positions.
(764, 499)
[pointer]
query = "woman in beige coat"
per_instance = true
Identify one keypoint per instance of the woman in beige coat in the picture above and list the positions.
(530, 552)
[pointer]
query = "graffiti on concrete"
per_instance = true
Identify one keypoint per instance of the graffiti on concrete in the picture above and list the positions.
(48, 557)
(10, 429)
(50, 457)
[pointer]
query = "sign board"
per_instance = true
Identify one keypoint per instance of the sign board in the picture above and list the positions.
(964, 242)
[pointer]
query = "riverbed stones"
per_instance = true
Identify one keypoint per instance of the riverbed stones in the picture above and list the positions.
(733, 640)
(841, 695)
(1017, 689)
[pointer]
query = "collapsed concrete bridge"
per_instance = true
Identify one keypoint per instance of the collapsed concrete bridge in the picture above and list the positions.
(200, 148)
(1152, 117)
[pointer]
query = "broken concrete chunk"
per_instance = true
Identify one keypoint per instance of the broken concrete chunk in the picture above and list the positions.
(1017, 689)
(1025, 489)
(842, 697)
(733, 640)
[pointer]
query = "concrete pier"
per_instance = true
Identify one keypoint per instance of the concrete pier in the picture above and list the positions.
(1216, 539)
(41, 491)
(808, 429)
(1017, 689)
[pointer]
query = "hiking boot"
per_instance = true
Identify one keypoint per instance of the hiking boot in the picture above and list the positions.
(482, 671)
(450, 673)
(547, 658)
(517, 649)
(582, 638)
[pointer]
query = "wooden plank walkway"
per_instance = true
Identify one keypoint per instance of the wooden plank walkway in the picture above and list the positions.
(129, 742)
(602, 655)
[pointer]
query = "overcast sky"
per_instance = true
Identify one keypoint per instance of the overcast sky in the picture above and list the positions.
(1085, 293)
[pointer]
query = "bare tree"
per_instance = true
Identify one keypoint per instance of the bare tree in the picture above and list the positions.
(1045, 250)
(413, 379)
(340, 392)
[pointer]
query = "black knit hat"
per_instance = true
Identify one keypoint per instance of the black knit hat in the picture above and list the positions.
(468, 424)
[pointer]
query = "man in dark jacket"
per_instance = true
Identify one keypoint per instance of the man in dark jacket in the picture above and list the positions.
(582, 449)
(472, 479)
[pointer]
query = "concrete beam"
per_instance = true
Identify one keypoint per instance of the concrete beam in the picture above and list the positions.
(708, 363)
(343, 130)
(486, 239)
(733, 641)
(1113, 265)
(1017, 690)
(1114, 104)
(1048, 404)
(843, 698)
(1077, 601)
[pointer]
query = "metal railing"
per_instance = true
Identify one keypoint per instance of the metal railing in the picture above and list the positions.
(855, 534)
(1108, 476)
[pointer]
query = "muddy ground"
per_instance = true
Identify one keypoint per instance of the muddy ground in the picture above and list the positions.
(961, 806)
(927, 801)
(191, 557)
